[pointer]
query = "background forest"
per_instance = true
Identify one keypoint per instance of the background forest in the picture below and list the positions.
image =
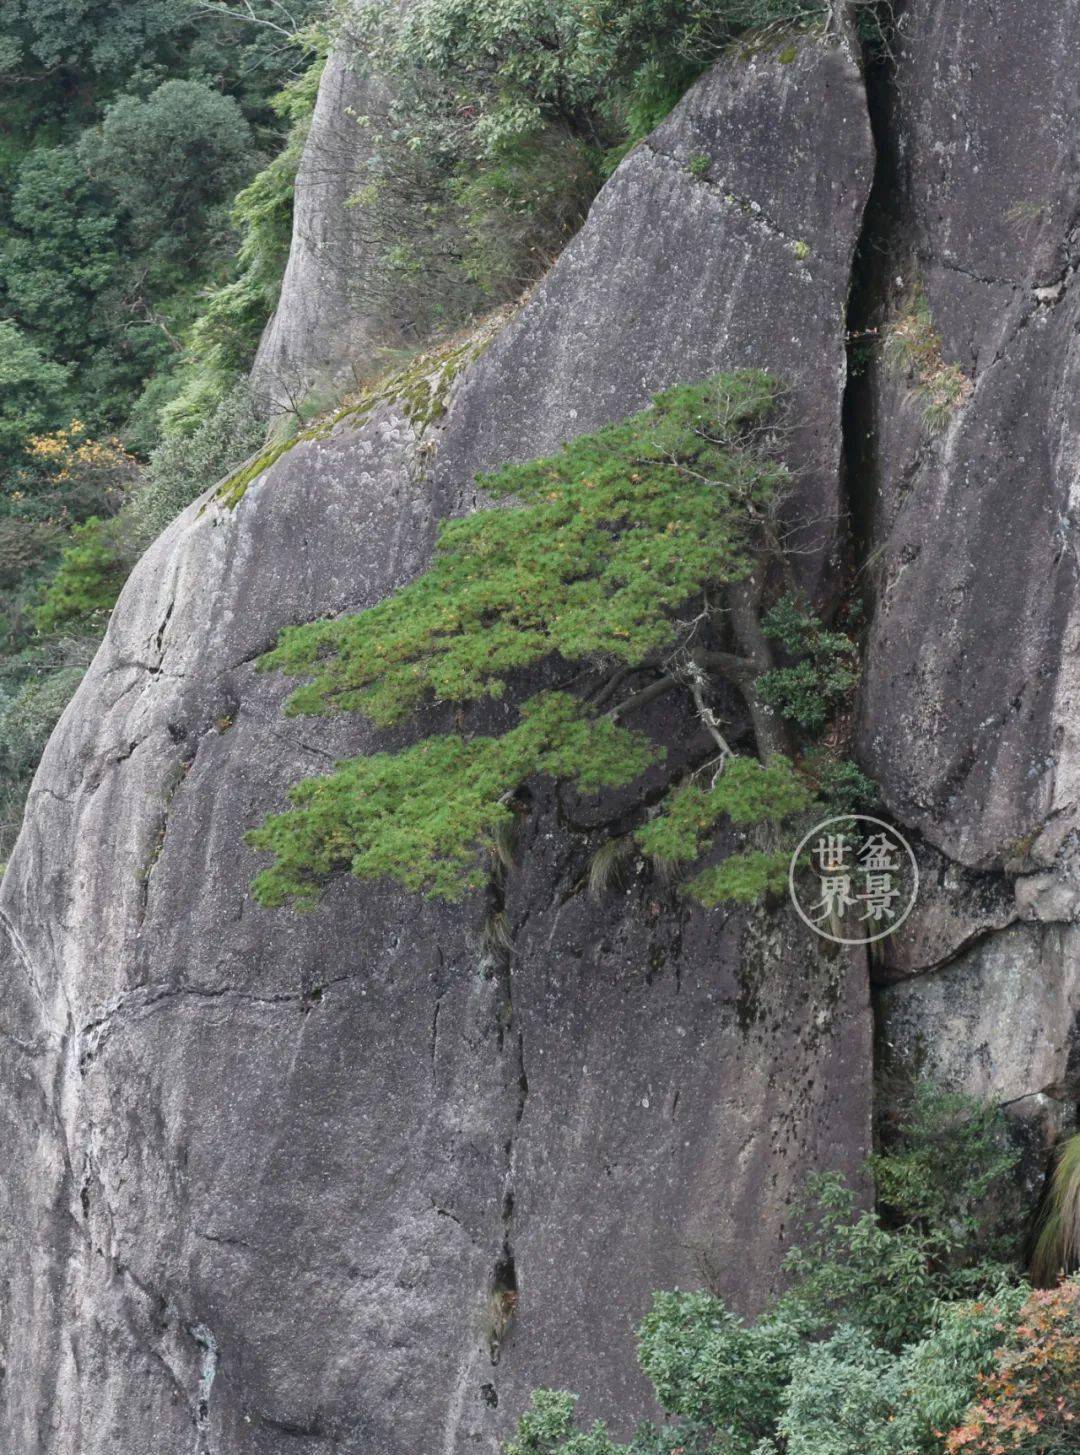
(147, 156)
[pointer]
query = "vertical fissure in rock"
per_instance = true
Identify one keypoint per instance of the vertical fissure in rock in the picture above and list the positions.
(207, 1374)
(503, 1295)
(498, 962)
(435, 1041)
(866, 312)
(504, 1286)
(868, 294)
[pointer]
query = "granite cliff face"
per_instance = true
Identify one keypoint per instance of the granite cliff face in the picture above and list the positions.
(326, 316)
(264, 1171)
(970, 696)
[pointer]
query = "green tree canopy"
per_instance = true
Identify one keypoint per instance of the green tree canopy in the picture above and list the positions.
(32, 389)
(186, 132)
(89, 35)
(62, 251)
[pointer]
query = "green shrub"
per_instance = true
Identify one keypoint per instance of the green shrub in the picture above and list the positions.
(841, 786)
(767, 1389)
(184, 465)
(809, 691)
(520, 208)
(91, 574)
(548, 1428)
(849, 1396)
(851, 1269)
(713, 1370)
(945, 1228)
(947, 1175)
(871, 1352)
(842, 1399)
(518, 65)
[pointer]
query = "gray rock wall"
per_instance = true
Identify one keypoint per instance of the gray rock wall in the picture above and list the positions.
(325, 317)
(969, 711)
(262, 1171)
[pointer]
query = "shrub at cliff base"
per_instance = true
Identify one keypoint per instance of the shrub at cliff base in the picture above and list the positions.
(920, 1346)
(1030, 1403)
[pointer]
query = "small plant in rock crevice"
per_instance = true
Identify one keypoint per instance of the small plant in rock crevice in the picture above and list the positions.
(913, 349)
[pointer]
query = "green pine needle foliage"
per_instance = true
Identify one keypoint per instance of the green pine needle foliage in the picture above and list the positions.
(746, 793)
(610, 538)
(418, 816)
(90, 577)
(743, 878)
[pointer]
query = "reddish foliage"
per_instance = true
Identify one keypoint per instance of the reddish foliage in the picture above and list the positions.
(1030, 1404)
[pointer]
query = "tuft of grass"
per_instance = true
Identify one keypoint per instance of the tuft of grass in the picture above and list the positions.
(496, 933)
(666, 871)
(504, 842)
(608, 866)
(1023, 213)
(1057, 1246)
(495, 1317)
(913, 350)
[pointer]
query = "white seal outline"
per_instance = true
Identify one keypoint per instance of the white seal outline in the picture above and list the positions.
(852, 818)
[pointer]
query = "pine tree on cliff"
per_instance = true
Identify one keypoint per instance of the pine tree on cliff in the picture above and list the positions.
(634, 563)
